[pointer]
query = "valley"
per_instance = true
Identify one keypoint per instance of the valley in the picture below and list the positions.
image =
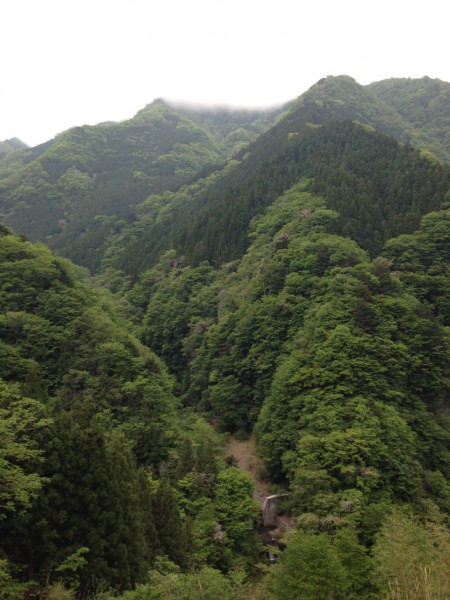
(275, 279)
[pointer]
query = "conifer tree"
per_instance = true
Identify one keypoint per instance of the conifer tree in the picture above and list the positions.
(170, 526)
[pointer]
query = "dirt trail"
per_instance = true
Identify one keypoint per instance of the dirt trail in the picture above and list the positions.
(249, 461)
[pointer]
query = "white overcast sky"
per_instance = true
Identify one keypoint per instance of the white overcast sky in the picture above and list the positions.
(71, 62)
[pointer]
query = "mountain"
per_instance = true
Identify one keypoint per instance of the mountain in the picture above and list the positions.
(302, 297)
(283, 275)
(95, 449)
(75, 190)
(209, 219)
(320, 350)
(424, 104)
(291, 280)
(7, 146)
(120, 193)
(71, 377)
(56, 333)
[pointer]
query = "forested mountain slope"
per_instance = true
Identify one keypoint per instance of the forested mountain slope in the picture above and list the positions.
(339, 362)
(425, 105)
(7, 146)
(73, 191)
(379, 187)
(79, 192)
(300, 292)
(209, 219)
(101, 475)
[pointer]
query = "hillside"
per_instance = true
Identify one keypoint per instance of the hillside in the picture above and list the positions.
(100, 192)
(280, 280)
(74, 191)
(7, 146)
(209, 219)
(424, 104)
(339, 363)
(101, 473)
(375, 183)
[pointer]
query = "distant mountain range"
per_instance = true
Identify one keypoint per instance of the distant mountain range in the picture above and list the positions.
(8, 146)
(283, 274)
(92, 187)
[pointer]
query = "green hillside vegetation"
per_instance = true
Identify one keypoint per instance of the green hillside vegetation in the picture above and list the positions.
(338, 362)
(78, 193)
(7, 146)
(209, 220)
(101, 475)
(380, 189)
(77, 189)
(425, 105)
(231, 328)
(289, 282)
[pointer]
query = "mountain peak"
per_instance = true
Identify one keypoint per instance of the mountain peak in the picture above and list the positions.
(7, 146)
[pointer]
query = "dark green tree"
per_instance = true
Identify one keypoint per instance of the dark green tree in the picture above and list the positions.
(171, 529)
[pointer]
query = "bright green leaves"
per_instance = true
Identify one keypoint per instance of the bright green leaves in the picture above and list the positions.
(20, 420)
(365, 446)
(421, 261)
(367, 357)
(412, 560)
(314, 568)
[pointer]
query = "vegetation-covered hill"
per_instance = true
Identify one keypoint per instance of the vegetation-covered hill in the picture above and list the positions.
(73, 191)
(7, 146)
(114, 189)
(209, 219)
(340, 364)
(101, 476)
(425, 105)
(379, 187)
(300, 292)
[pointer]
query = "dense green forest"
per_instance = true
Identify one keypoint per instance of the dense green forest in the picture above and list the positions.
(283, 275)
(77, 189)
(7, 146)
(101, 474)
(102, 193)
(209, 220)
(423, 104)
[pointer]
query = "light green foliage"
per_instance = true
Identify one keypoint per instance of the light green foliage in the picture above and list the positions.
(20, 420)
(55, 328)
(315, 567)
(412, 560)
(58, 591)
(206, 584)
(222, 511)
(70, 565)
(309, 569)
(234, 503)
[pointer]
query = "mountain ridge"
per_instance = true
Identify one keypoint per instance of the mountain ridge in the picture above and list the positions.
(81, 190)
(295, 287)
